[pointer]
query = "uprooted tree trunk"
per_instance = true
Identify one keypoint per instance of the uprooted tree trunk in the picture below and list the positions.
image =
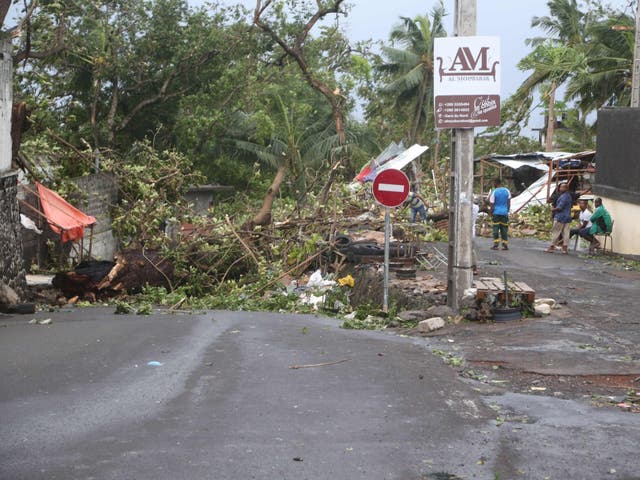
(263, 217)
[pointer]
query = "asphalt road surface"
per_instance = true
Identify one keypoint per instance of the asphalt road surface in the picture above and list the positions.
(95, 395)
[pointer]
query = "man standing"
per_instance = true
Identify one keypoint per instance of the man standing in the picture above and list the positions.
(417, 207)
(601, 223)
(561, 212)
(500, 200)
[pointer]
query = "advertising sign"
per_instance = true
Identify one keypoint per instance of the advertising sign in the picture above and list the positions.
(467, 82)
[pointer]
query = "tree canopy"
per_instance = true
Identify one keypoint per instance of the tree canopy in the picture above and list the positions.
(208, 82)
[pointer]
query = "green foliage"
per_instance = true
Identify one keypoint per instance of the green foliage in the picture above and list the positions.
(228, 296)
(536, 218)
(152, 186)
(449, 358)
(309, 247)
(436, 235)
(123, 308)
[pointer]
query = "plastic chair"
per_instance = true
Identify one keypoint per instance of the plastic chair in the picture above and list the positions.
(610, 238)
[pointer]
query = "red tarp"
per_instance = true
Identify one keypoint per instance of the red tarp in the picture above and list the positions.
(63, 217)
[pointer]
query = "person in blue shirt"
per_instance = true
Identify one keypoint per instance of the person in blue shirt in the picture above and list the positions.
(561, 230)
(500, 200)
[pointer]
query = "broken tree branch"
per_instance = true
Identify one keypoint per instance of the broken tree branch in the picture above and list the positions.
(296, 367)
(242, 242)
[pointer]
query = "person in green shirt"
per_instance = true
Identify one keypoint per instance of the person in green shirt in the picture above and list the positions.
(601, 223)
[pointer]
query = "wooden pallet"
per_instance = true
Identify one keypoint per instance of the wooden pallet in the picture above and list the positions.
(495, 286)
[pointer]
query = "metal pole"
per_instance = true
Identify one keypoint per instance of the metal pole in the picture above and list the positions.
(635, 83)
(460, 224)
(387, 228)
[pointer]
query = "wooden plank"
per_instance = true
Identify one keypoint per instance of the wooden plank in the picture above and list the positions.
(523, 287)
(495, 286)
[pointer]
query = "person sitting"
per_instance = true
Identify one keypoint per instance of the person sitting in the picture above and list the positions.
(601, 223)
(585, 224)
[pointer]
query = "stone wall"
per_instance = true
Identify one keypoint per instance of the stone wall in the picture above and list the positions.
(11, 267)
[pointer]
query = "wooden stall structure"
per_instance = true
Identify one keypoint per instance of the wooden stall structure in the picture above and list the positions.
(536, 175)
(65, 221)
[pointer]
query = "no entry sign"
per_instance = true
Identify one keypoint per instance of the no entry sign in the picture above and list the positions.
(391, 187)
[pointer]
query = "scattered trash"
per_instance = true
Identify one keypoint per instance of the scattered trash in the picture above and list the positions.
(46, 321)
(314, 300)
(547, 301)
(539, 389)
(316, 280)
(297, 459)
(351, 316)
(542, 310)
(155, 364)
(348, 281)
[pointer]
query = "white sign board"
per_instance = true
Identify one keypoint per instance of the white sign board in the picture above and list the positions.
(467, 82)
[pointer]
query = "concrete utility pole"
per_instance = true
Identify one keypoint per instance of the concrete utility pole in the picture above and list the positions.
(635, 84)
(6, 102)
(460, 275)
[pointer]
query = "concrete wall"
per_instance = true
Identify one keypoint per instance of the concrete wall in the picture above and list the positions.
(101, 194)
(626, 230)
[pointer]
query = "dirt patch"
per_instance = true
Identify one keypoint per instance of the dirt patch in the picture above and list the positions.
(622, 391)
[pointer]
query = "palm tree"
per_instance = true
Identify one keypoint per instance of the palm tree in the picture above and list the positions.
(410, 68)
(555, 58)
(565, 24)
(553, 64)
(296, 144)
(607, 81)
(590, 53)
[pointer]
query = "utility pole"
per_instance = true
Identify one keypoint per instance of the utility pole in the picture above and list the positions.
(460, 276)
(635, 84)
(6, 101)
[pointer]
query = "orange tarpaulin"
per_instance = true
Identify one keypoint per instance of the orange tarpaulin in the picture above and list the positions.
(63, 217)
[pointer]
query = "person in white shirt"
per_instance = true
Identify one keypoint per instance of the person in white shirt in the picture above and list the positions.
(585, 221)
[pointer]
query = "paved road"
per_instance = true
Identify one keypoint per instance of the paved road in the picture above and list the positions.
(78, 400)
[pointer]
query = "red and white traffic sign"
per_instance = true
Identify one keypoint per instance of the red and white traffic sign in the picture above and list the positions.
(391, 187)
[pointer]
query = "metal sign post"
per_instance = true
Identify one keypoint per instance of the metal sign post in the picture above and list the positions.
(387, 235)
(390, 189)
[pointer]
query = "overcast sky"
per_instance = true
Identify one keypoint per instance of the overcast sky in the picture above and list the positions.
(508, 19)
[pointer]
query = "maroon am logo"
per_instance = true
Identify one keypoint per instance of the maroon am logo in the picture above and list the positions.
(467, 63)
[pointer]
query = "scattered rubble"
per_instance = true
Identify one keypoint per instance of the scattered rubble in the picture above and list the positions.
(10, 301)
(431, 324)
